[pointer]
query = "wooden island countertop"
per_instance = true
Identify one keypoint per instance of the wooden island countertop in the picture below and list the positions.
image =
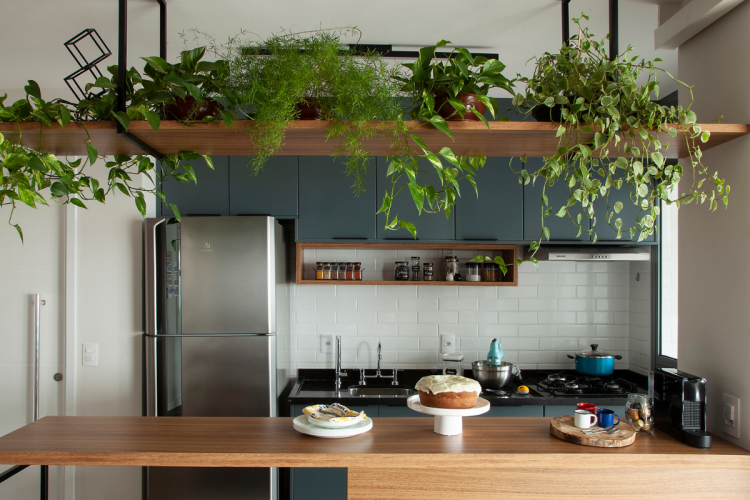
(399, 457)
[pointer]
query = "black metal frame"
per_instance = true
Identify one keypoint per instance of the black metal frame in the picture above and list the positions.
(565, 22)
(87, 66)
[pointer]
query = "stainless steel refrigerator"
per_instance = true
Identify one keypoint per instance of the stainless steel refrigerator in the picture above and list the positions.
(216, 339)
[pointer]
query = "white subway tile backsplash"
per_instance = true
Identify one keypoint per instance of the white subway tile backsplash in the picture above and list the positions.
(458, 304)
(537, 331)
(499, 304)
(418, 304)
(477, 317)
(558, 309)
(437, 317)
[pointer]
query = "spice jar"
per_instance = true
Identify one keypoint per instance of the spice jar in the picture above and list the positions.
(318, 270)
(638, 413)
(326, 270)
(357, 272)
(427, 271)
(473, 271)
(450, 267)
(349, 270)
(401, 271)
(342, 271)
(491, 271)
(415, 268)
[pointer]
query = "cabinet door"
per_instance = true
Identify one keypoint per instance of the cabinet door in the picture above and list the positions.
(497, 214)
(315, 483)
(210, 196)
(398, 411)
(515, 411)
(272, 192)
(629, 214)
(328, 208)
(429, 226)
(561, 229)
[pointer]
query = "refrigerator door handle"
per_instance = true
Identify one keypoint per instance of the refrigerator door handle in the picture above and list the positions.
(150, 314)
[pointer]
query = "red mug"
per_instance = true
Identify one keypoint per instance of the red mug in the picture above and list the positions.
(589, 407)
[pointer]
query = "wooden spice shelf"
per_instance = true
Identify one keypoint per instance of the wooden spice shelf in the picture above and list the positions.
(508, 252)
(504, 139)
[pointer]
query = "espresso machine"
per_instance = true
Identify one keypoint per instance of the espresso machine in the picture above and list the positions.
(680, 406)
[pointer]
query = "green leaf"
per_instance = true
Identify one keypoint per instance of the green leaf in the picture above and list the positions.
(561, 131)
(419, 142)
(153, 119)
(20, 233)
(227, 117)
(705, 135)
(141, 204)
(561, 213)
(33, 89)
(409, 227)
(157, 63)
(642, 190)
(546, 232)
(77, 202)
(618, 207)
(657, 158)
(58, 189)
(91, 152)
(122, 118)
(176, 212)
(209, 162)
(439, 123)
(417, 195)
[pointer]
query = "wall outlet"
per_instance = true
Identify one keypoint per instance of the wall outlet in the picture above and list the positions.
(326, 344)
(90, 354)
(446, 253)
(447, 343)
(731, 415)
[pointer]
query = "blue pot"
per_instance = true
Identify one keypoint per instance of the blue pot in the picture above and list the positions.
(595, 363)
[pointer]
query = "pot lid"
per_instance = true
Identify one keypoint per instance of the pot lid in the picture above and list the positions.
(594, 353)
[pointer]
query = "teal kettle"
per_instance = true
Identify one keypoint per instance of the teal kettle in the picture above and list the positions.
(496, 354)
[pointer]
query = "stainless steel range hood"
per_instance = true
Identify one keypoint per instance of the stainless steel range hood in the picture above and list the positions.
(590, 252)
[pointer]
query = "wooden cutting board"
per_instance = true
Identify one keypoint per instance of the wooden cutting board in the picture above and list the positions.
(564, 428)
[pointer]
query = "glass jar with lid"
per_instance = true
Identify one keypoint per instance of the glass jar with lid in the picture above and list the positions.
(318, 270)
(638, 413)
(452, 363)
(350, 270)
(491, 272)
(358, 271)
(342, 271)
(427, 272)
(401, 271)
(326, 270)
(415, 268)
(473, 271)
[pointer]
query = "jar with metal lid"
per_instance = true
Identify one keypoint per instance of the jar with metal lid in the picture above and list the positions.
(473, 271)
(401, 271)
(450, 267)
(491, 272)
(427, 272)
(318, 270)
(452, 363)
(350, 270)
(358, 271)
(326, 270)
(415, 268)
(342, 271)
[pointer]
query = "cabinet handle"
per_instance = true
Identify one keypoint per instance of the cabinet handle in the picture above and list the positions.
(481, 239)
(401, 239)
(347, 238)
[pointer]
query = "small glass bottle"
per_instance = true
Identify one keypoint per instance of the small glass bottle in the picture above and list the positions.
(415, 268)
(326, 270)
(349, 270)
(318, 270)
(473, 271)
(491, 272)
(401, 271)
(427, 272)
(358, 271)
(342, 271)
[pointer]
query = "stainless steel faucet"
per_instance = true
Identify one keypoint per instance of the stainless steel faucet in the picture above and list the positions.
(339, 373)
(393, 377)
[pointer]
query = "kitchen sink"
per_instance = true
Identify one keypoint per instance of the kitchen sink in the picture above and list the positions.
(380, 391)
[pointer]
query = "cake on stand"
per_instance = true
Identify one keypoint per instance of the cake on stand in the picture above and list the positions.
(448, 421)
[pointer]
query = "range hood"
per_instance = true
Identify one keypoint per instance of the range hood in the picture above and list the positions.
(591, 252)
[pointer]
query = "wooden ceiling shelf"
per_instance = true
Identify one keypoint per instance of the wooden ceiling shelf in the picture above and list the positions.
(381, 262)
(308, 138)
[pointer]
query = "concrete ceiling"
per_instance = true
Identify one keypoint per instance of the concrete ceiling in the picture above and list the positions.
(515, 29)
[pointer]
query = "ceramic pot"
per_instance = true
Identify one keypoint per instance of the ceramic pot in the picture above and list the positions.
(187, 109)
(445, 110)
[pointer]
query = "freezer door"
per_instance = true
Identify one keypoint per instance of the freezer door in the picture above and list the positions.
(228, 275)
(229, 376)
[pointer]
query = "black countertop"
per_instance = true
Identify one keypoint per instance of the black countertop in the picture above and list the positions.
(318, 385)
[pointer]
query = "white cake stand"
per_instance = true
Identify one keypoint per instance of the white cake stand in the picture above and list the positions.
(448, 421)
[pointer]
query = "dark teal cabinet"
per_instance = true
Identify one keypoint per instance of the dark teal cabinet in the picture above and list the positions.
(272, 192)
(497, 214)
(210, 196)
(328, 209)
(561, 229)
(433, 226)
(315, 483)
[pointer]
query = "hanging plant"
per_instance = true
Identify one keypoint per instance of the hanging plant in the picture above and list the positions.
(451, 90)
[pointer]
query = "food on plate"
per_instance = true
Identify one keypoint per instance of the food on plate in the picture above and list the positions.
(448, 391)
(335, 413)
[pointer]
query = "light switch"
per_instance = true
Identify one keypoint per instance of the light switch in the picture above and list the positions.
(326, 344)
(731, 415)
(447, 343)
(90, 354)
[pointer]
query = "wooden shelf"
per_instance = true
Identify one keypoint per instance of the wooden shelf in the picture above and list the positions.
(508, 252)
(308, 138)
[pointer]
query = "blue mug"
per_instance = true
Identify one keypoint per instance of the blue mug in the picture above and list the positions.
(606, 418)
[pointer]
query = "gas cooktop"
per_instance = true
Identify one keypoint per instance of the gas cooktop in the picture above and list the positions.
(570, 384)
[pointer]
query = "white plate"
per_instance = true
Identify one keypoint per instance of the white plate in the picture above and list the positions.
(482, 406)
(302, 425)
(332, 425)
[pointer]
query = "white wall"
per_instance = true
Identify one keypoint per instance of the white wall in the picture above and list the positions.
(556, 310)
(714, 270)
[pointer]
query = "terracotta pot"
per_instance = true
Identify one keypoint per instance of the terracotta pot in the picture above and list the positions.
(469, 100)
(185, 109)
(309, 109)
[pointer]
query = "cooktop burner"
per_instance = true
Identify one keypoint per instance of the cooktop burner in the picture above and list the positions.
(572, 384)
